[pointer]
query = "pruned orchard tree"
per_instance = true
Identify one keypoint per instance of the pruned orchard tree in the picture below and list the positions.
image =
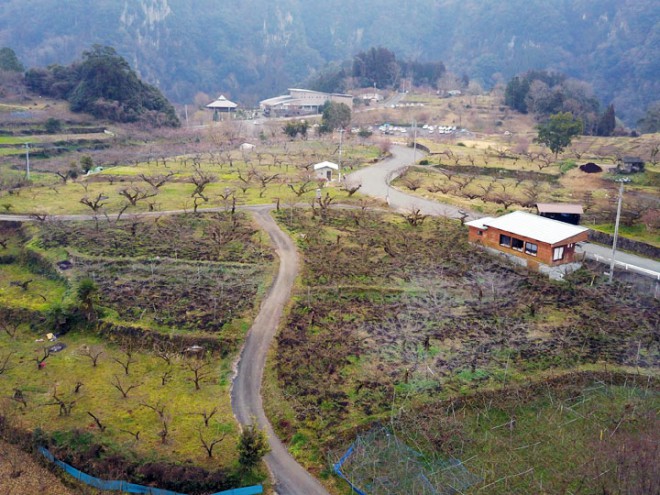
(209, 444)
(126, 360)
(5, 362)
(164, 418)
(200, 371)
(124, 389)
(92, 352)
(157, 181)
(134, 194)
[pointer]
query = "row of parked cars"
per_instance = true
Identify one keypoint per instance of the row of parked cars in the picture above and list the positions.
(441, 129)
(429, 129)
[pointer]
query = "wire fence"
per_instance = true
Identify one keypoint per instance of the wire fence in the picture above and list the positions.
(378, 463)
(126, 487)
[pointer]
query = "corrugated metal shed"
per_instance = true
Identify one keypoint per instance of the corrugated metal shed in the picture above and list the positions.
(571, 209)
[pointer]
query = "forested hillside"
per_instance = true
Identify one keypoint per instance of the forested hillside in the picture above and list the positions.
(251, 49)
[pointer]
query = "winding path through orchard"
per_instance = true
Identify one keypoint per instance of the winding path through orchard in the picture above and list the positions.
(289, 477)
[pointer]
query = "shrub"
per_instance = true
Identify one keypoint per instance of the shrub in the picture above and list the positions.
(53, 126)
(252, 446)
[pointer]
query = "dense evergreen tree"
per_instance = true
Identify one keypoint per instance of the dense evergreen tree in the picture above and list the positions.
(607, 122)
(515, 94)
(376, 66)
(334, 116)
(544, 93)
(423, 73)
(331, 79)
(104, 85)
(9, 61)
(651, 121)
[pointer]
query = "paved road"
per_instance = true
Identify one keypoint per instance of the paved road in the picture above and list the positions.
(375, 182)
(290, 478)
(624, 260)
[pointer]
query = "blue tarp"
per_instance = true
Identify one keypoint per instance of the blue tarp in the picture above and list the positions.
(126, 487)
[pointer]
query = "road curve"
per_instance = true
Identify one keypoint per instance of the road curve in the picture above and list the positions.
(375, 182)
(290, 478)
(376, 178)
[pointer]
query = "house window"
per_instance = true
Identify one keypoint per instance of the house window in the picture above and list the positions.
(531, 248)
(505, 240)
(558, 253)
(517, 244)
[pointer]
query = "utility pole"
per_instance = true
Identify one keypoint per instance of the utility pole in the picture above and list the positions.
(27, 161)
(414, 141)
(616, 228)
(341, 134)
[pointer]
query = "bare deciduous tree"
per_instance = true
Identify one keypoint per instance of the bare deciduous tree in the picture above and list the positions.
(5, 362)
(157, 181)
(165, 377)
(209, 444)
(208, 415)
(414, 217)
(95, 204)
(135, 193)
(93, 353)
(9, 325)
(15, 462)
(96, 419)
(40, 361)
(301, 189)
(200, 371)
(134, 434)
(123, 389)
(126, 361)
(159, 409)
(65, 405)
(19, 397)
(200, 180)
(23, 285)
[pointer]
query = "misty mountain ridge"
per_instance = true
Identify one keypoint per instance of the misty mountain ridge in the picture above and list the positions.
(254, 49)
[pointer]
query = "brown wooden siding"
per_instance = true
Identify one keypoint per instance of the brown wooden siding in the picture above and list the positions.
(491, 237)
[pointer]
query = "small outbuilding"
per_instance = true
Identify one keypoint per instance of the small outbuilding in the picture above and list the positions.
(325, 170)
(563, 212)
(630, 165)
(222, 106)
(247, 147)
(531, 237)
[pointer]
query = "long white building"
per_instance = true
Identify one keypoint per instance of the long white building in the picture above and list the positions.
(301, 102)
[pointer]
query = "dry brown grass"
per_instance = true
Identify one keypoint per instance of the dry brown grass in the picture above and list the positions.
(33, 478)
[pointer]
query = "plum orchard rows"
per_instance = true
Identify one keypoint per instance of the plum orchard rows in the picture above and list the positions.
(391, 311)
(190, 273)
(146, 409)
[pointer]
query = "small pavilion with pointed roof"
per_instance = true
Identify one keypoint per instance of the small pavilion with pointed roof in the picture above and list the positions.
(222, 105)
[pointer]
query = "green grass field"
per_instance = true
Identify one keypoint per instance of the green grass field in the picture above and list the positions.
(183, 403)
(155, 411)
(249, 183)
